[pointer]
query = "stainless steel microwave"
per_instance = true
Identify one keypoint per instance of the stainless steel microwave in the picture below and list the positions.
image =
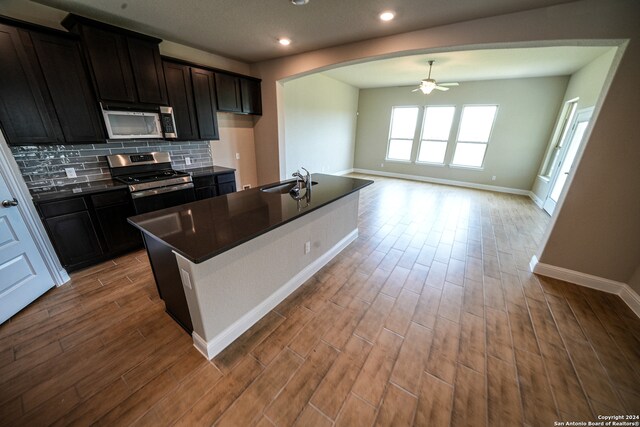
(142, 122)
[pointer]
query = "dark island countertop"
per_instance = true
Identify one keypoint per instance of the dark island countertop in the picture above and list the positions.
(206, 228)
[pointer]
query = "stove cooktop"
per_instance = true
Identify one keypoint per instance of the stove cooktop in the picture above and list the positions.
(151, 176)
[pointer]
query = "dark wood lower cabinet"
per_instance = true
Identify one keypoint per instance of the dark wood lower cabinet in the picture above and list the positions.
(165, 271)
(75, 239)
(208, 186)
(89, 229)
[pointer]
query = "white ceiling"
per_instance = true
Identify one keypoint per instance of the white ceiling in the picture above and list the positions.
(471, 65)
(247, 30)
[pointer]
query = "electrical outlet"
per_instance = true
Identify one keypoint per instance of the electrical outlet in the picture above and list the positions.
(246, 187)
(381, 165)
(307, 247)
(493, 178)
(71, 172)
(237, 156)
(187, 160)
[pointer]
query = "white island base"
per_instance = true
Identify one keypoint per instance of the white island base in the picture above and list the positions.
(230, 292)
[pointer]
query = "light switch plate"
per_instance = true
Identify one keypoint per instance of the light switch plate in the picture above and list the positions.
(187, 160)
(71, 172)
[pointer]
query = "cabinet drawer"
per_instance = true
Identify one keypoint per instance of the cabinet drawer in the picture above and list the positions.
(62, 207)
(203, 181)
(226, 177)
(110, 198)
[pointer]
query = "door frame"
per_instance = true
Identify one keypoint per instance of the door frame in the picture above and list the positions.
(12, 176)
(579, 114)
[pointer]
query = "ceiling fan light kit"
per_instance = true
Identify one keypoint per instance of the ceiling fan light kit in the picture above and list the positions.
(428, 85)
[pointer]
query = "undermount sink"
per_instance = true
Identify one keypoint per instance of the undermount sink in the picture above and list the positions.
(284, 187)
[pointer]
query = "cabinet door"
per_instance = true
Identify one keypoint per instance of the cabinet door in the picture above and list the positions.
(118, 233)
(147, 71)
(226, 188)
(251, 96)
(228, 93)
(204, 90)
(109, 59)
(26, 112)
(74, 238)
(206, 192)
(180, 95)
(69, 86)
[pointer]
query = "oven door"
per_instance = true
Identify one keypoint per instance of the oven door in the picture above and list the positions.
(163, 197)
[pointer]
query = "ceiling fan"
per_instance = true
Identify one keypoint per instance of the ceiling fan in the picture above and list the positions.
(428, 85)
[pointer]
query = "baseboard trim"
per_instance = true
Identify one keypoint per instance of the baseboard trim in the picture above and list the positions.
(431, 180)
(343, 172)
(210, 349)
(537, 200)
(624, 291)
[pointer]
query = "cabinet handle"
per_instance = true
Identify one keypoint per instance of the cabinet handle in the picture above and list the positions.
(9, 203)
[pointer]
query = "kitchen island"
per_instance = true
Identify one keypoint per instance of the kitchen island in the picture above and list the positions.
(221, 264)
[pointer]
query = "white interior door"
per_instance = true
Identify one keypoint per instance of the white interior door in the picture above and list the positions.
(571, 145)
(23, 272)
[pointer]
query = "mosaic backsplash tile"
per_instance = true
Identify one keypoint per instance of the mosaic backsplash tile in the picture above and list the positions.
(43, 166)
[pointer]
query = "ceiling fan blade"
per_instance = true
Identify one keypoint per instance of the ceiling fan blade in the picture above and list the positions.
(442, 88)
(449, 84)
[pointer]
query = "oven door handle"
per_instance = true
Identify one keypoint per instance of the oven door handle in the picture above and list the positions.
(161, 190)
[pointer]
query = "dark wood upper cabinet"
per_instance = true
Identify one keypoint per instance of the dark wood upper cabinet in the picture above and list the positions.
(251, 96)
(125, 65)
(72, 96)
(26, 111)
(228, 93)
(110, 65)
(204, 95)
(147, 71)
(180, 93)
(238, 94)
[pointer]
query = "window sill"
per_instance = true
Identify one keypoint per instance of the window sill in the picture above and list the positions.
(438, 165)
(398, 161)
(476, 168)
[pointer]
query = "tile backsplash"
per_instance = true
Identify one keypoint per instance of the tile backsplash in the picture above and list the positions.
(43, 166)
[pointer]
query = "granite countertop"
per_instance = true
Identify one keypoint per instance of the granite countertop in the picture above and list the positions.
(78, 189)
(209, 170)
(83, 188)
(203, 229)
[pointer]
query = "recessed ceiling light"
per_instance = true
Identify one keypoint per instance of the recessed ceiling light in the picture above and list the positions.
(299, 2)
(387, 16)
(284, 41)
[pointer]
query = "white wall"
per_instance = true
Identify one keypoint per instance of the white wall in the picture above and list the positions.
(320, 124)
(236, 137)
(527, 109)
(585, 84)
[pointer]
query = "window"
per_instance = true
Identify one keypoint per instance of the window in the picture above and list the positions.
(473, 135)
(403, 128)
(551, 162)
(436, 128)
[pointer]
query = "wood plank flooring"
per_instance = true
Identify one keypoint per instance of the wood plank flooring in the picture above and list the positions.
(429, 318)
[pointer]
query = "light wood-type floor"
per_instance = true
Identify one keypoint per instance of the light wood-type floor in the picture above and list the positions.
(430, 318)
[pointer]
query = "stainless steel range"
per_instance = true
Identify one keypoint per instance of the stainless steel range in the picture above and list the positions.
(152, 182)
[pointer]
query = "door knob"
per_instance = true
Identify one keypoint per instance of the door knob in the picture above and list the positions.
(9, 203)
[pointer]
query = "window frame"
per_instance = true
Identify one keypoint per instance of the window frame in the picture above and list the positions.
(389, 138)
(457, 140)
(566, 116)
(421, 139)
